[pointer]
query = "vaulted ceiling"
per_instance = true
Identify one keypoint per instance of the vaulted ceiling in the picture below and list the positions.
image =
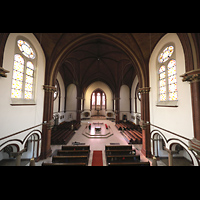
(99, 59)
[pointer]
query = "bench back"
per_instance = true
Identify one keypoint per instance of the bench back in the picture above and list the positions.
(70, 159)
(77, 147)
(118, 147)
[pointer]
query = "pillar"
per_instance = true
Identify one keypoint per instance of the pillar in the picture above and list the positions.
(48, 118)
(145, 117)
(32, 162)
(193, 77)
(170, 158)
(18, 159)
(78, 108)
(154, 162)
(117, 109)
(18, 156)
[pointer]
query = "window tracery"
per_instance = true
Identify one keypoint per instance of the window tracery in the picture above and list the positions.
(167, 75)
(23, 71)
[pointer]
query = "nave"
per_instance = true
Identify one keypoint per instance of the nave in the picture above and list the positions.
(97, 144)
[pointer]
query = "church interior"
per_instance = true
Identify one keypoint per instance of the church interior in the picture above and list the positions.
(100, 99)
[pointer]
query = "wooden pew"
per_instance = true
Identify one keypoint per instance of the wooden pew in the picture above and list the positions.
(118, 147)
(78, 147)
(64, 164)
(122, 158)
(122, 155)
(119, 152)
(130, 164)
(70, 159)
(77, 155)
(73, 153)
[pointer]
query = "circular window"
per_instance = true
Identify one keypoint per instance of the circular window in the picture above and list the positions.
(26, 49)
(166, 54)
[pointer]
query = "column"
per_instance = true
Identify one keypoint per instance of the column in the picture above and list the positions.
(48, 117)
(170, 156)
(18, 156)
(78, 107)
(193, 77)
(117, 111)
(154, 162)
(145, 117)
(78, 110)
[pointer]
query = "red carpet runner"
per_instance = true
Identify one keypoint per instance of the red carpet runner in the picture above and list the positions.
(97, 158)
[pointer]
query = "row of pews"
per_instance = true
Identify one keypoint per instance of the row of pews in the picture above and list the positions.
(71, 156)
(130, 132)
(122, 155)
(78, 155)
(62, 133)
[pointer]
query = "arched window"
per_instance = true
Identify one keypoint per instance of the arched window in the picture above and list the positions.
(167, 86)
(57, 92)
(23, 71)
(98, 100)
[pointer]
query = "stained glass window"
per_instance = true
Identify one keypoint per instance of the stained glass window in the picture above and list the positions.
(172, 82)
(23, 72)
(167, 76)
(162, 83)
(103, 99)
(17, 80)
(166, 54)
(29, 80)
(98, 98)
(93, 99)
(26, 49)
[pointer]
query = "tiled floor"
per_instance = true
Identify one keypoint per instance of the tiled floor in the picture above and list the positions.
(96, 144)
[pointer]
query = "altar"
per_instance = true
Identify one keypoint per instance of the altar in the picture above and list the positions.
(98, 128)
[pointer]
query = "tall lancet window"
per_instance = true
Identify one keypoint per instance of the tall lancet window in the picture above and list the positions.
(98, 99)
(103, 99)
(167, 85)
(93, 99)
(23, 71)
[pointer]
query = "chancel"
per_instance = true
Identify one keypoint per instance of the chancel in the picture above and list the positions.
(100, 99)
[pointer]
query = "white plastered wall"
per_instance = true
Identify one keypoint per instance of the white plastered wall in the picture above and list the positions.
(176, 119)
(17, 118)
(71, 103)
(124, 102)
(105, 88)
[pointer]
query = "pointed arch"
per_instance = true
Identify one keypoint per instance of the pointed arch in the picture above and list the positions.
(71, 46)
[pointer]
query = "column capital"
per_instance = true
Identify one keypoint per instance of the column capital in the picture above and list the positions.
(144, 90)
(191, 76)
(49, 124)
(3, 72)
(49, 88)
